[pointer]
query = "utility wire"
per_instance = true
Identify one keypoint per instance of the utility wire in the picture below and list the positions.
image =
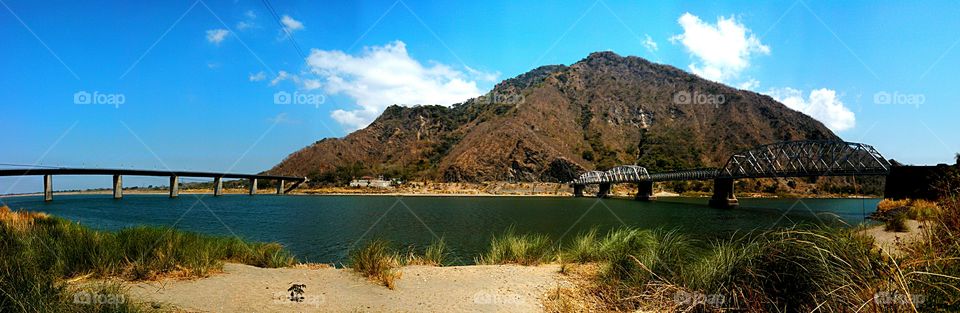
(27, 165)
(276, 17)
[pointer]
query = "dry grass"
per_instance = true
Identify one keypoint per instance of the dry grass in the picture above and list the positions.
(581, 295)
(889, 204)
(915, 209)
(20, 220)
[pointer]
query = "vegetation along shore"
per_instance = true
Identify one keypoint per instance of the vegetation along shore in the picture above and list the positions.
(48, 261)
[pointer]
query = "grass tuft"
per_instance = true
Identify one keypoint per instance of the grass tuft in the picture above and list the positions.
(513, 248)
(377, 261)
(434, 255)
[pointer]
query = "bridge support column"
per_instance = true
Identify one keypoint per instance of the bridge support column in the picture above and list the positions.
(604, 191)
(578, 190)
(47, 187)
(217, 186)
(279, 186)
(117, 186)
(645, 191)
(253, 186)
(174, 186)
(723, 196)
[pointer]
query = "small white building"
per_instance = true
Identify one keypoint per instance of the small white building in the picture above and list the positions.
(371, 182)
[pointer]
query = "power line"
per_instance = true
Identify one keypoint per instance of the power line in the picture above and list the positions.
(276, 17)
(28, 165)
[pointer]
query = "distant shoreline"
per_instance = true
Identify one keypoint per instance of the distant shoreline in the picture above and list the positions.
(423, 194)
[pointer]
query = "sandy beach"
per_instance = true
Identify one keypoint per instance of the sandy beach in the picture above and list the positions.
(244, 288)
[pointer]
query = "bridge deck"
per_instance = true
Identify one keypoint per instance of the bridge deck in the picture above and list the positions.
(134, 172)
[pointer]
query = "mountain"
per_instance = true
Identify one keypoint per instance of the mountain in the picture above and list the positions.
(556, 121)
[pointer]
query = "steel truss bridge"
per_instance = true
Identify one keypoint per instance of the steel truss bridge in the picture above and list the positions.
(804, 158)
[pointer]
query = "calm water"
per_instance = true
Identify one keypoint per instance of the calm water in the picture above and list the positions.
(324, 228)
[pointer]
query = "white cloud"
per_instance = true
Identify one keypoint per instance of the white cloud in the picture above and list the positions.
(721, 51)
(290, 25)
(282, 76)
(311, 84)
(749, 84)
(650, 44)
(258, 76)
(248, 22)
(384, 75)
(216, 36)
(822, 104)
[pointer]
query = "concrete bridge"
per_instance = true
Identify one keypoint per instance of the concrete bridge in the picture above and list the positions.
(118, 174)
(805, 158)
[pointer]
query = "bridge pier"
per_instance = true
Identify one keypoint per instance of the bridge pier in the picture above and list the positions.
(253, 186)
(578, 190)
(723, 196)
(279, 186)
(117, 186)
(604, 191)
(47, 187)
(645, 191)
(217, 186)
(174, 186)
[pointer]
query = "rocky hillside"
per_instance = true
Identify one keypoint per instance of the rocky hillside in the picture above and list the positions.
(556, 121)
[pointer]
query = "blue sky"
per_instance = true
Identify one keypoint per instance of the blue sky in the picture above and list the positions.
(192, 84)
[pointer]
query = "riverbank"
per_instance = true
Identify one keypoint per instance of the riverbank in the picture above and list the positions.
(244, 288)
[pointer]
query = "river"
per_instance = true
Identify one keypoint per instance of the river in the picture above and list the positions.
(324, 228)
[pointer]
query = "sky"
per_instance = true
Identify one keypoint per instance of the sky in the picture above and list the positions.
(236, 85)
